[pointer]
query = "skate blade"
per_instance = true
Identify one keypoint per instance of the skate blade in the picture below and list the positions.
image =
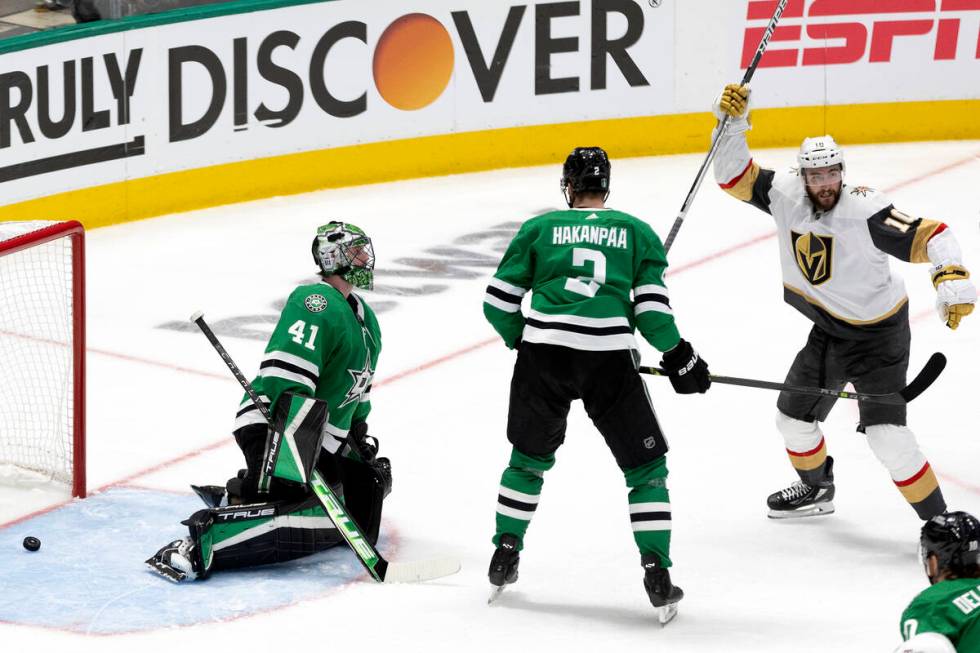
(666, 614)
(495, 593)
(816, 510)
(166, 571)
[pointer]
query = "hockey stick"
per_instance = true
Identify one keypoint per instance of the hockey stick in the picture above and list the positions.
(933, 368)
(749, 72)
(380, 569)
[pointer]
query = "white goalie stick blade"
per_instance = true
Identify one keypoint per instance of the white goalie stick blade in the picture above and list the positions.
(666, 613)
(421, 570)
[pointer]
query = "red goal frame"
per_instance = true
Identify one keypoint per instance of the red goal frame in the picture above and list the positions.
(76, 232)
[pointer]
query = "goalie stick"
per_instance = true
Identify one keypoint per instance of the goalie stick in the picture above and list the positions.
(380, 569)
(929, 373)
(749, 72)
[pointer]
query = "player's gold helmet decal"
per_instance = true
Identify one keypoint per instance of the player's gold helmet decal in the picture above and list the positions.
(814, 255)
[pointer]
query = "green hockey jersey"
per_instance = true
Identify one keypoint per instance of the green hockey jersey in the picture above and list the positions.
(950, 608)
(596, 276)
(324, 346)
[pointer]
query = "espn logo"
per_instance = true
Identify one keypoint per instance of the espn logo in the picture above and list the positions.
(845, 31)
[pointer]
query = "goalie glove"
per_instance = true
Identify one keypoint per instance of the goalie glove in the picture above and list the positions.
(955, 293)
(734, 103)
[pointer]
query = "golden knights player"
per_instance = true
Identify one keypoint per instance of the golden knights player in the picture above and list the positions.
(596, 275)
(316, 379)
(945, 617)
(834, 244)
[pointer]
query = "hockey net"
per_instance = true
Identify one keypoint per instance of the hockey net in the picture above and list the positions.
(42, 351)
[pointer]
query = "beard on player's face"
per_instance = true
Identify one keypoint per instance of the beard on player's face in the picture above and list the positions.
(823, 186)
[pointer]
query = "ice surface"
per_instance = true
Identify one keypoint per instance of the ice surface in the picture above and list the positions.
(161, 406)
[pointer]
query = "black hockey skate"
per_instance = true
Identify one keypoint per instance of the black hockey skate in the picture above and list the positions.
(663, 594)
(503, 565)
(804, 500)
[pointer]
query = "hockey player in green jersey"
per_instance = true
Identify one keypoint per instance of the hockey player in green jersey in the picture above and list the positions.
(315, 378)
(945, 617)
(596, 275)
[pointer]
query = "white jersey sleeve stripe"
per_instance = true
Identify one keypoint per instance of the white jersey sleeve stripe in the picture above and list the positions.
(507, 307)
(646, 307)
(293, 359)
(506, 287)
(279, 373)
(651, 289)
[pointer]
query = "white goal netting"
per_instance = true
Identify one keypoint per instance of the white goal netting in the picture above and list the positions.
(39, 311)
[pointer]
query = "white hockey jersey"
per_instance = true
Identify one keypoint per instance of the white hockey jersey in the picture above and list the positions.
(835, 264)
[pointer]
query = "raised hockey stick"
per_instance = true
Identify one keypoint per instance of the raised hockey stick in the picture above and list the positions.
(380, 569)
(933, 368)
(749, 72)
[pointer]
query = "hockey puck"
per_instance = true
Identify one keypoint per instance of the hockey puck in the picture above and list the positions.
(32, 543)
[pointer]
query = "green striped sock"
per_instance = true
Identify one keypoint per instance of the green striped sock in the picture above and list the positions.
(650, 508)
(520, 489)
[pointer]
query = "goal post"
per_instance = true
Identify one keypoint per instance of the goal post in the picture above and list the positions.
(42, 350)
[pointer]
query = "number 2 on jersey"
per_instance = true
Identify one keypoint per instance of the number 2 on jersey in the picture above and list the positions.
(583, 285)
(299, 331)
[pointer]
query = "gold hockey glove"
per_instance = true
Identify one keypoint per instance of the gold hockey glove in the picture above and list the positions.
(733, 101)
(955, 294)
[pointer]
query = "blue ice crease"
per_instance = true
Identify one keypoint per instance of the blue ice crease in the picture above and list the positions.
(89, 575)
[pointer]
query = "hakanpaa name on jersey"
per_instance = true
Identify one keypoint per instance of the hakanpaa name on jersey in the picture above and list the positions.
(596, 275)
(607, 236)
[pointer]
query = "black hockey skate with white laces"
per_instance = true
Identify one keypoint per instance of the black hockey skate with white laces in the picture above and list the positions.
(802, 500)
(503, 565)
(663, 594)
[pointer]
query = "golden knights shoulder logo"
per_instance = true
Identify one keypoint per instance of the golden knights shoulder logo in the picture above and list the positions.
(814, 255)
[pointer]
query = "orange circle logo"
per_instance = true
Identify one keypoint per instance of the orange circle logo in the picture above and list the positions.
(413, 62)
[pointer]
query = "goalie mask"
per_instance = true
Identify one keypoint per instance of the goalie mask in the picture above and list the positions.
(954, 538)
(345, 250)
(586, 170)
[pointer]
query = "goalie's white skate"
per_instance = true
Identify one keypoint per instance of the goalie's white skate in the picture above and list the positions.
(173, 561)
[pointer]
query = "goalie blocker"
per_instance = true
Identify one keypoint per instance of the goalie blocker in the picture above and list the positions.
(240, 529)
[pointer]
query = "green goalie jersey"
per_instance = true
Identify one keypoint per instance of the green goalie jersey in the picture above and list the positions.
(596, 276)
(324, 346)
(950, 608)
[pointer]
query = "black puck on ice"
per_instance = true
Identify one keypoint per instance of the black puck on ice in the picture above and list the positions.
(32, 543)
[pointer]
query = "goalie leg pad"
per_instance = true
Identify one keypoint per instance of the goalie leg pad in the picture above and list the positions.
(896, 448)
(295, 439)
(805, 446)
(281, 459)
(258, 534)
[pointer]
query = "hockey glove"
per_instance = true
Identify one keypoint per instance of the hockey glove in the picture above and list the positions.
(733, 103)
(363, 447)
(687, 371)
(955, 294)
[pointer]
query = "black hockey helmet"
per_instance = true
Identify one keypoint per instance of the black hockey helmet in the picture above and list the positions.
(954, 538)
(586, 170)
